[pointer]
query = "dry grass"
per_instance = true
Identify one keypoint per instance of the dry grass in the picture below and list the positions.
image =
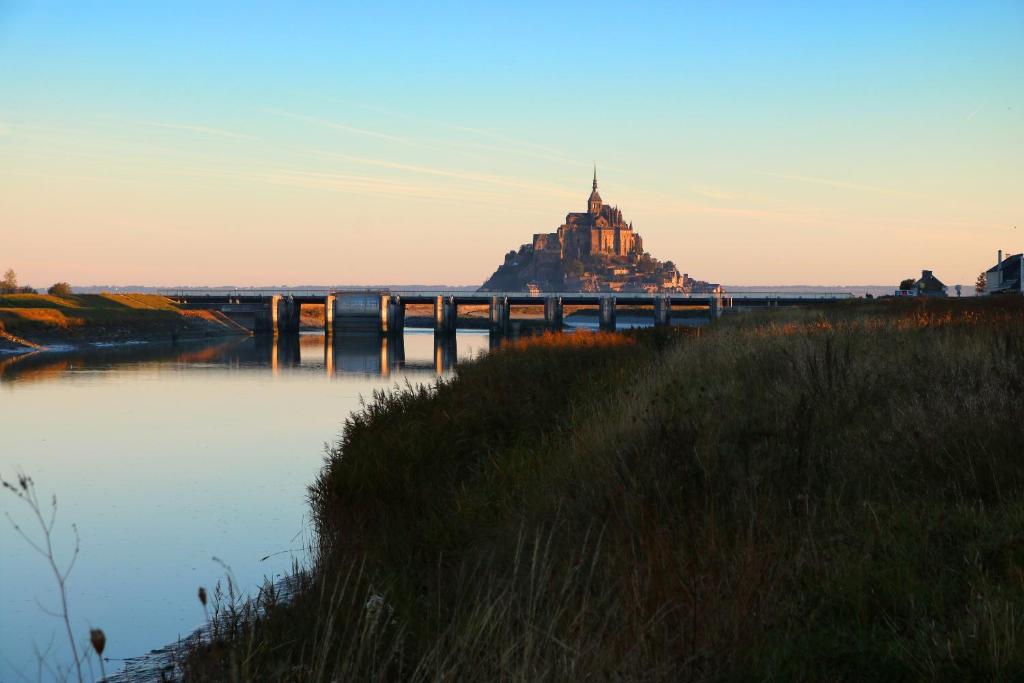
(43, 319)
(18, 318)
(817, 495)
(571, 340)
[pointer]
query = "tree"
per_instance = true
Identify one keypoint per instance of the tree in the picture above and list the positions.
(575, 268)
(647, 264)
(907, 285)
(979, 286)
(9, 285)
(59, 289)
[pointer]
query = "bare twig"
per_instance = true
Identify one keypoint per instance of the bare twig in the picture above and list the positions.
(25, 490)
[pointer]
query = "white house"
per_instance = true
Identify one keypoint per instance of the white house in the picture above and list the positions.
(1007, 275)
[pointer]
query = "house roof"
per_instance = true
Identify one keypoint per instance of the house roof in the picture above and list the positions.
(1008, 262)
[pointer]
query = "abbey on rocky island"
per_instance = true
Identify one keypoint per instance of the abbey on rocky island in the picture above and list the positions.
(592, 251)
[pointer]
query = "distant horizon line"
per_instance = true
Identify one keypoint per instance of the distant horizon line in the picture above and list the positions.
(434, 286)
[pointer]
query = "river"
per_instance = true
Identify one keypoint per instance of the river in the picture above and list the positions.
(167, 457)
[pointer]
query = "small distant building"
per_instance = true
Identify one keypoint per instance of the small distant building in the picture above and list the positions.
(926, 285)
(929, 285)
(1006, 276)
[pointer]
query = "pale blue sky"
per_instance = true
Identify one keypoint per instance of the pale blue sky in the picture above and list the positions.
(751, 143)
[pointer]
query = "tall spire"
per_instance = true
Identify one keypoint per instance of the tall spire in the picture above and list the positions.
(594, 203)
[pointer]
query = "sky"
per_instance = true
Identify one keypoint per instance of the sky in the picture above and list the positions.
(209, 143)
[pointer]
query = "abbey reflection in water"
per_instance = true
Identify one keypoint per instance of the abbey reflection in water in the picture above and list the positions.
(363, 355)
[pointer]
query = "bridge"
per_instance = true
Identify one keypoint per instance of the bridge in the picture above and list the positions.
(380, 311)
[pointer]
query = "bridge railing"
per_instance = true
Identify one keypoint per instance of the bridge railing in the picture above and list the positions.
(626, 296)
(244, 291)
(466, 294)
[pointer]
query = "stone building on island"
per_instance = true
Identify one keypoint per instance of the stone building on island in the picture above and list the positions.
(593, 250)
(600, 230)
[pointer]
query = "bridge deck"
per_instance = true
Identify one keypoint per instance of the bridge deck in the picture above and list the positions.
(317, 296)
(383, 311)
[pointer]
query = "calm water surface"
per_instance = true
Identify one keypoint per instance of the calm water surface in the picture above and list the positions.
(168, 457)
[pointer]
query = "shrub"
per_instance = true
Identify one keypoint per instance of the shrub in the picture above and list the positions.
(9, 283)
(59, 289)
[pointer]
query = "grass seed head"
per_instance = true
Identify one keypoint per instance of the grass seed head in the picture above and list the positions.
(98, 640)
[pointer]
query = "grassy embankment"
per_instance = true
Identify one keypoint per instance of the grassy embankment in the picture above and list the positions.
(804, 495)
(41, 320)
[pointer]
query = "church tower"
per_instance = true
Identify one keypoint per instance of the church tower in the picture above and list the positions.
(594, 203)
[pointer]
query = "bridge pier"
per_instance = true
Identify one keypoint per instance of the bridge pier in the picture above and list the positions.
(606, 314)
(361, 313)
(500, 314)
(392, 314)
(265, 316)
(662, 311)
(446, 314)
(329, 315)
(553, 312)
(715, 307)
(288, 315)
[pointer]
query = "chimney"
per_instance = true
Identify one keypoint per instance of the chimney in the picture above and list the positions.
(999, 257)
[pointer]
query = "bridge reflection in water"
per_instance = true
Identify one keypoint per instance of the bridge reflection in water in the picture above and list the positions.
(414, 352)
(363, 354)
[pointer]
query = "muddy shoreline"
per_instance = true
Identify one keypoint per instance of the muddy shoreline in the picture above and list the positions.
(10, 349)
